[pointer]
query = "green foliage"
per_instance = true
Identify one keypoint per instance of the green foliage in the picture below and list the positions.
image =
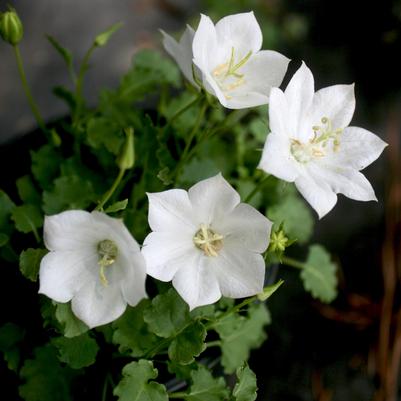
(269, 290)
(27, 218)
(104, 37)
(44, 378)
(45, 165)
(71, 325)
(77, 352)
(319, 274)
(10, 336)
(136, 384)
(239, 334)
(6, 207)
(103, 132)
(131, 332)
(117, 206)
(245, 389)
(63, 52)
(27, 190)
(29, 262)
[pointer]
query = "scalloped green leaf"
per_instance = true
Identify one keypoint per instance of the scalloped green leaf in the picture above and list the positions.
(29, 262)
(246, 388)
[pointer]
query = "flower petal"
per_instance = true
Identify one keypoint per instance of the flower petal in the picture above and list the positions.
(196, 282)
(62, 273)
(96, 304)
(299, 94)
(335, 102)
(358, 148)
(240, 31)
(212, 198)
(277, 159)
(317, 193)
(171, 211)
(181, 52)
(167, 252)
(240, 272)
(247, 227)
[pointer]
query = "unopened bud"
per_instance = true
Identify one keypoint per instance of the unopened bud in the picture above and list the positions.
(126, 159)
(11, 29)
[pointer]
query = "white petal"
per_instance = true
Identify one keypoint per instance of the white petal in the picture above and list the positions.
(358, 148)
(317, 193)
(167, 252)
(211, 86)
(197, 283)
(212, 198)
(240, 272)
(171, 211)
(204, 45)
(279, 114)
(246, 227)
(182, 51)
(240, 31)
(299, 94)
(277, 159)
(62, 273)
(96, 304)
(334, 102)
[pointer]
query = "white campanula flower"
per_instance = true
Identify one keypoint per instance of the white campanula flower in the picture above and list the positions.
(93, 261)
(312, 145)
(207, 242)
(228, 61)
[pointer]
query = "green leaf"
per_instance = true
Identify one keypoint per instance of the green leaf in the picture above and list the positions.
(69, 192)
(104, 37)
(10, 336)
(27, 218)
(27, 191)
(240, 334)
(63, 52)
(103, 132)
(270, 290)
(64, 94)
(77, 352)
(117, 206)
(167, 315)
(245, 389)
(136, 384)
(6, 207)
(29, 262)
(45, 165)
(45, 379)
(319, 274)
(4, 238)
(189, 343)
(205, 387)
(131, 332)
(71, 324)
(296, 217)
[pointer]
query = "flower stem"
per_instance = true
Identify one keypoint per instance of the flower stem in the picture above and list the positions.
(184, 109)
(292, 262)
(179, 394)
(258, 187)
(31, 101)
(110, 192)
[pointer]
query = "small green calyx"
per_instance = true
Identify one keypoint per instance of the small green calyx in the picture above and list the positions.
(278, 241)
(11, 29)
(126, 159)
(108, 252)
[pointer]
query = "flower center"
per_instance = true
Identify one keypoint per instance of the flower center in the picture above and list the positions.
(227, 75)
(107, 251)
(208, 240)
(319, 145)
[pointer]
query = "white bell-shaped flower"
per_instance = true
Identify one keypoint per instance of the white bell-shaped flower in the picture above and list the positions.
(93, 261)
(207, 242)
(227, 60)
(312, 145)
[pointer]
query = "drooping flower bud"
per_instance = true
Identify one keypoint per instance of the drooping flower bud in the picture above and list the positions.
(126, 159)
(11, 29)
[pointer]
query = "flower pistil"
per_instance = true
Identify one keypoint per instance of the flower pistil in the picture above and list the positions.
(208, 240)
(107, 251)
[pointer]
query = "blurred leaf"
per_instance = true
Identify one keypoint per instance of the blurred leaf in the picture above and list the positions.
(45, 165)
(72, 326)
(319, 274)
(104, 37)
(270, 290)
(10, 336)
(77, 352)
(117, 206)
(104, 132)
(6, 207)
(27, 191)
(245, 389)
(29, 262)
(136, 384)
(64, 53)
(64, 94)
(27, 218)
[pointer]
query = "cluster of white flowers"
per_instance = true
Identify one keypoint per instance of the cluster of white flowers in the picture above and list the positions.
(205, 241)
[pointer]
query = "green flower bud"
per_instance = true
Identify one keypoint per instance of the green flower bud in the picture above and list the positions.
(126, 159)
(11, 29)
(278, 241)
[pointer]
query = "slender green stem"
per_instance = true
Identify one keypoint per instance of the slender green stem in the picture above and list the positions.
(31, 101)
(258, 187)
(105, 385)
(179, 394)
(110, 192)
(185, 108)
(216, 343)
(292, 262)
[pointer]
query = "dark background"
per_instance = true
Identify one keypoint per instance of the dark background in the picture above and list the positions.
(315, 352)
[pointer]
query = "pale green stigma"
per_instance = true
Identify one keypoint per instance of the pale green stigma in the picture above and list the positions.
(208, 240)
(108, 251)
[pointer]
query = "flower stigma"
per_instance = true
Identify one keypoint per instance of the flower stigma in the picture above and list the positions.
(208, 240)
(108, 251)
(227, 75)
(317, 146)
